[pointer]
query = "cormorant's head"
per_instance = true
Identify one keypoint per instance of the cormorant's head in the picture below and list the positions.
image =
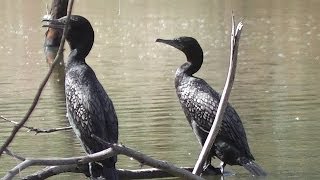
(188, 45)
(80, 34)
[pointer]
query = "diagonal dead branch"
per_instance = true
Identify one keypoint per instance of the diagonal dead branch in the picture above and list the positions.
(235, 37)
(8, 152)
(42, 85)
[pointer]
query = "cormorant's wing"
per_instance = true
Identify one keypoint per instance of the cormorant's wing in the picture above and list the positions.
(90, 111)
(206, 102)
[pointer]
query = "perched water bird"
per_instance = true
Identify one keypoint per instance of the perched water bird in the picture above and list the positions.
(200, 103)
(90, 111)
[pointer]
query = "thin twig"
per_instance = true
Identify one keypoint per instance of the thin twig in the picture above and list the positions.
(144, 159)
(235, 36)
(8, 152)
(37, 130)
(16, 123)
(42, 85)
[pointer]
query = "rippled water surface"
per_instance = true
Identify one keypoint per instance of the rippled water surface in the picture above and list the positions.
(276, 91)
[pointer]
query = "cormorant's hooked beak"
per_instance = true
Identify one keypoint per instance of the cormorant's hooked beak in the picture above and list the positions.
(54, 23)
(175, 43)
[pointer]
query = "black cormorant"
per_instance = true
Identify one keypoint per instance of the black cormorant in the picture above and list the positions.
(89, 109)
(200, 103)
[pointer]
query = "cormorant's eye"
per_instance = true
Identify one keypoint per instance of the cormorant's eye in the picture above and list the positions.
(177, 39)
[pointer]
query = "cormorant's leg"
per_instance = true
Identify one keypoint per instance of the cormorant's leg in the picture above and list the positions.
(206, 164)
(209, 169)
(90, 169)
(95, 169)
(222, 165)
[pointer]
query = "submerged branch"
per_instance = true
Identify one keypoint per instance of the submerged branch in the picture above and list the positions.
(235, 37)
(42, 85)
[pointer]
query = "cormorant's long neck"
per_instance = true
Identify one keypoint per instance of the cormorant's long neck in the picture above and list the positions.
(80, 43)
(195, 61)
(186, 70)
(80, 51)
(75, 58)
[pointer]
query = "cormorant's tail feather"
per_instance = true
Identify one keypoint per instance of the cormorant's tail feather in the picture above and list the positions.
(254, 168)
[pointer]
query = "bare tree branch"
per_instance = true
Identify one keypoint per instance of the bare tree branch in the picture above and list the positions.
(55, 170)
(235, 37)
(147, 173)
(8, 152)
(42, 85)
(107, 153)
(37, 130)
(143, 159)
(78, 164)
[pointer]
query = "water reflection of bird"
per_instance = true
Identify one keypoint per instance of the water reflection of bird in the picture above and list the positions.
(90, 110)
(200, 103)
